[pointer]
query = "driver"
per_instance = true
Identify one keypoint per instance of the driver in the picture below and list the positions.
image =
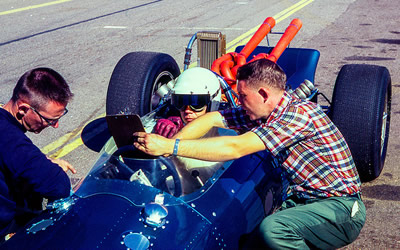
(196, 91)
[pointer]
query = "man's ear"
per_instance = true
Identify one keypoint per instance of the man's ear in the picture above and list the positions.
(23, 108)
(264, 93)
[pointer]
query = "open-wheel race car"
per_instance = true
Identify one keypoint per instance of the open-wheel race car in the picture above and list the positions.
(133, 201)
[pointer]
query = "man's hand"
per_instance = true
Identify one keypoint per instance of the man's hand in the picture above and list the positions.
(63, 164)
(153, 144)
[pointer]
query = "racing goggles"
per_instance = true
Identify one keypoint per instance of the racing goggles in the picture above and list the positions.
(196, 103)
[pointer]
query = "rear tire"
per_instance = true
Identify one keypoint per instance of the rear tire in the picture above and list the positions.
(135, 79)
(360, 108)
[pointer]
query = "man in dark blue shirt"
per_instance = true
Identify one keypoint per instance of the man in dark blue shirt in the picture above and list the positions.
(27, 176)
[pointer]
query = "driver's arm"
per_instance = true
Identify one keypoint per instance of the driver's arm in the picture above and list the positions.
(201, 126)
(221, 148)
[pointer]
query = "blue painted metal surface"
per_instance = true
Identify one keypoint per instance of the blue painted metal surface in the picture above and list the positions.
(108, 207)
(298, 63)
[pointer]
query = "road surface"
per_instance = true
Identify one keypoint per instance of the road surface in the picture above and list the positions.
(83, 40)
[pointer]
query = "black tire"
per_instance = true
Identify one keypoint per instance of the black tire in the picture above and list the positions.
(360, 108)
(135, 79)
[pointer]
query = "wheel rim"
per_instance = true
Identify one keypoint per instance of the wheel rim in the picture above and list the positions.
(163, 78)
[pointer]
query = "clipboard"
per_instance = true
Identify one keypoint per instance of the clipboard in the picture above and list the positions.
(121, 128)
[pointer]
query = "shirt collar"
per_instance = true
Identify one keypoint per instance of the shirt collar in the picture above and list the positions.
(282, 104)
(4, 113)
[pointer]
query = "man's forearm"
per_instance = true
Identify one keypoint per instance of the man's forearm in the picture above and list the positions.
(209, 149)
(222, 148)
(199, 127)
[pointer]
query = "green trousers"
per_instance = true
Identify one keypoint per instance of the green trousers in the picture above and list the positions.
(313, 224)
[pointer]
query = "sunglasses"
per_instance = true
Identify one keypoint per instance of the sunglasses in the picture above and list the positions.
(50, 122)
(196, 103)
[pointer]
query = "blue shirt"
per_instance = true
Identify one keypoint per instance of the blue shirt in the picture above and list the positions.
(24, 172)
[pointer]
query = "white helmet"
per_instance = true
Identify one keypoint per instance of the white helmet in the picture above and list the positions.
(197, 87)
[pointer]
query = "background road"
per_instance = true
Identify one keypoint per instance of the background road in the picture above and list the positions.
(83, 40)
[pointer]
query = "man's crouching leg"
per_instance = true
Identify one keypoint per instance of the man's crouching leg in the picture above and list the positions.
(321, 223)
(277, 233)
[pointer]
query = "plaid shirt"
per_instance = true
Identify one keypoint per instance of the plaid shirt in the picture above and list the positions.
(307, 144)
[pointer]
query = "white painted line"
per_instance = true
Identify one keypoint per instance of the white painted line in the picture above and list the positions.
(115, 27)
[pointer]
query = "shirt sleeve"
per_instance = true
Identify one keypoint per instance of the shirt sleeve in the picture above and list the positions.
(28, 164)
(237, 119)
(286, 130)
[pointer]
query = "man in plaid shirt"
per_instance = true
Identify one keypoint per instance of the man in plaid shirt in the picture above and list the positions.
(324, 209)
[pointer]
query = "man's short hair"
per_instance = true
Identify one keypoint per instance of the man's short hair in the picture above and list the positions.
(41, 85)
(262, 72)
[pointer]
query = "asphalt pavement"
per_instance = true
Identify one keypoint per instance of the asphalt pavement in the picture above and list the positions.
(368, 33)
(84, 40)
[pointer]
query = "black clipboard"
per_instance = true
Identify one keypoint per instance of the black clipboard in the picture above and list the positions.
(121, 128)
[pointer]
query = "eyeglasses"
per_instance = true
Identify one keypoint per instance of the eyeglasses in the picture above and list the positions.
(50, 122)
(196, 103)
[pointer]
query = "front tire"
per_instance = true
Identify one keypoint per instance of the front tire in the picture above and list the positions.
(135, 79)
(360, 108)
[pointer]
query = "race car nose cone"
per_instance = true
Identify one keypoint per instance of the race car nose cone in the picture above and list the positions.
(154, 214)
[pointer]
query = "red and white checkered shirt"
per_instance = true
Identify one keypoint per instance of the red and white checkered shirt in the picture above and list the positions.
(311, 149)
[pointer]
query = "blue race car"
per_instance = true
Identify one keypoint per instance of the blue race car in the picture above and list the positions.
(132, 201)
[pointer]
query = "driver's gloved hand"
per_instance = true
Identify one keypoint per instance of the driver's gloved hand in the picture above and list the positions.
(177, 121)
(168, 127)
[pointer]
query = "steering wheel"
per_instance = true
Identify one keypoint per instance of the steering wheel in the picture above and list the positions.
(153, 168)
